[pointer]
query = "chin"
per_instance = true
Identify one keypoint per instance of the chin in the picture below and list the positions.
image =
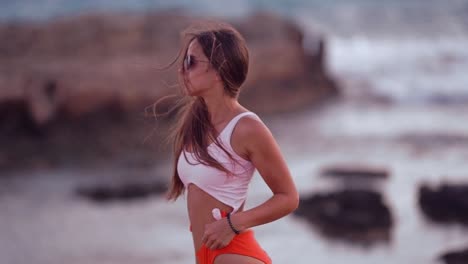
(189, 92)
(194, 93)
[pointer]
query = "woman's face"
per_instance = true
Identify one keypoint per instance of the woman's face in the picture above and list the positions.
(198, 75)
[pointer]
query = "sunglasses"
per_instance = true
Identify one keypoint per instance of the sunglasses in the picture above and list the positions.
(190, 62)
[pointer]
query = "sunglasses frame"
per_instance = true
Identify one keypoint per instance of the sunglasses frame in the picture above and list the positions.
(190, 62)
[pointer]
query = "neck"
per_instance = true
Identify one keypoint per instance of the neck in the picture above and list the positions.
(221, 107)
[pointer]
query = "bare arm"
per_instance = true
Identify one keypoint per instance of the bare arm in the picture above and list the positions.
(259, 145)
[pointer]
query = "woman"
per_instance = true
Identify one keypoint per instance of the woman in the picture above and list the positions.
(218, 144)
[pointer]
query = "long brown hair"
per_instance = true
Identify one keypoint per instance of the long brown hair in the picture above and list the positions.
(227, 52)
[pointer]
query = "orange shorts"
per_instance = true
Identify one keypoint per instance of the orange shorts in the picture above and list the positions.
(242, 244)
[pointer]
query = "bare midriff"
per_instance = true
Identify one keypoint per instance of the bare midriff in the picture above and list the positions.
(200, 205)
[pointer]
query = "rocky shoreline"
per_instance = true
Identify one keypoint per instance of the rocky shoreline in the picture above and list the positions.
(78, 91)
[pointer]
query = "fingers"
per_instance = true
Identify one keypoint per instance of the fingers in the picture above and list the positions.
(222, 245)
(216, 239)
(210, 243)
(216, 245)
(213, 244)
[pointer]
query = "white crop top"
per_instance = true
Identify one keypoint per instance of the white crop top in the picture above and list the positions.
(228, 189)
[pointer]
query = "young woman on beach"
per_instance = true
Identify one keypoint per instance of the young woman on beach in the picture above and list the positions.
(218, 144)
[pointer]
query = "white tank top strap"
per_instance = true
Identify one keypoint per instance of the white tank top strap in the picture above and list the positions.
(232, 124)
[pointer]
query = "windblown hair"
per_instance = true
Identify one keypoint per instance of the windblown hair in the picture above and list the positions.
(228, 54)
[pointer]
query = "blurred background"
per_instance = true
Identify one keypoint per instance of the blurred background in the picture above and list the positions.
(367, 99)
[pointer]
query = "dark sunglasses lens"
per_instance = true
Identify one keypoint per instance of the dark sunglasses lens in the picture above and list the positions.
(188, 63)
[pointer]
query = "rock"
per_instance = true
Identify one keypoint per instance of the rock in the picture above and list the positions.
(103, 58)
(15, 118)
(448, 99)
(283, 76)
(356, 176)
(455, 257)
(129, 191)
(102, 77)
(447, 203)
(358, 216)
(434, 140)
(355, 171)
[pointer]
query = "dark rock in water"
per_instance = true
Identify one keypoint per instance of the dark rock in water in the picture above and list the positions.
(355, 171)
(353, 215)
(448, 99)
(131, 191)
(446, 203)
(432, 140)
(15, 118)
(455, 257)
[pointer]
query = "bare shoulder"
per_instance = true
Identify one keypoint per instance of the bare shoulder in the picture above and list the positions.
(250, 126)
(250, 134)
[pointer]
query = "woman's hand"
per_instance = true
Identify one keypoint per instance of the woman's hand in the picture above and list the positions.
(218, 234)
